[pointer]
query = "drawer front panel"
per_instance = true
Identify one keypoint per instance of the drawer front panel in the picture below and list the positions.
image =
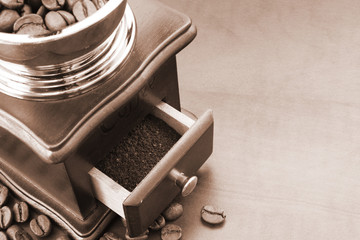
(157, 190)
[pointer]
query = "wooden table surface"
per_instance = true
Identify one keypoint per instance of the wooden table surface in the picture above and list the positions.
(283, 79)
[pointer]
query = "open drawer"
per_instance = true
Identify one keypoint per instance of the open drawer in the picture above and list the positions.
(173, 174)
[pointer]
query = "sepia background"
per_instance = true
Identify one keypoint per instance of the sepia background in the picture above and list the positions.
(283, 80)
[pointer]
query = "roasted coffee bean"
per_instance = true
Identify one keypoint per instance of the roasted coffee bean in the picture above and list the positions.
(12, 4)
(6, 217)
(110, 236)
(58, 20)
(31, 24)
(99, 3)
(4, 192)
(212, 215)
(41, 226)
(158, 224)
(63, 237)
(3, 236)
(21, 212)
(7, 19)
(71, 12)
(83, 8)
(42, 11)
(69, 4)
(17, 233)
(28, 19)
(171, 232)
(53, 4)
(33, 30)
(173, 212)
(26, 9)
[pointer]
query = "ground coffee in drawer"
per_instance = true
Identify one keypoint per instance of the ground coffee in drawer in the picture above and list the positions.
(134, 157)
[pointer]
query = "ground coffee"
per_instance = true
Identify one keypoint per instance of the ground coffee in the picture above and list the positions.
(134, 157)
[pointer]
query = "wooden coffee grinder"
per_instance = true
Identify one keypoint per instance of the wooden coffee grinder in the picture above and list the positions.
(67, 99)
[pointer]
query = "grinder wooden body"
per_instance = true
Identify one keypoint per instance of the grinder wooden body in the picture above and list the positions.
(48, 147)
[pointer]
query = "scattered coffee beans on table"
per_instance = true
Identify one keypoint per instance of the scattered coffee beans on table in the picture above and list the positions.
(171, 232)
(212, 215)
(53, 15)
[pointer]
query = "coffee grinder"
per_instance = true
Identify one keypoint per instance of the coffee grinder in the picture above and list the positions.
(66, 99)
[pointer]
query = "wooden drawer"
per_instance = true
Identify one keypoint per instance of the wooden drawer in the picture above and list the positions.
(173, 174)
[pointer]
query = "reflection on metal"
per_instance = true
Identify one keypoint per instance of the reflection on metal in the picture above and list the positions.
(185, 183)
(74, 77)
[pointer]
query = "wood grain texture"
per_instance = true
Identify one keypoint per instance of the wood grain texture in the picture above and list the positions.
(175, 119)
(107, 191)
(283, 80)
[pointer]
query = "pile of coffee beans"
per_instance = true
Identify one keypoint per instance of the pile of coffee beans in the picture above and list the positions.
(210, 215)
(18, 221)
(169, 231)
(43, 17)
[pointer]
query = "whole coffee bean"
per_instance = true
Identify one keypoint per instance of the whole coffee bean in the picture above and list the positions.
(212, 215)
(58, 20)
(99, 3)
(63, 237)
(110, 236)
(15, 232)
(27, 19)
(31, 24)
(53, 4)
(4, 191)
(41, 226)
(171, 232)
(12, 4)
(69, 4)
(173, 212)
(83, 8)
(21, 212)
(33, 30)
(26, 9)
(7, 19)
(3, 236)
(158, 224)
(6, 217)
(42, 11)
